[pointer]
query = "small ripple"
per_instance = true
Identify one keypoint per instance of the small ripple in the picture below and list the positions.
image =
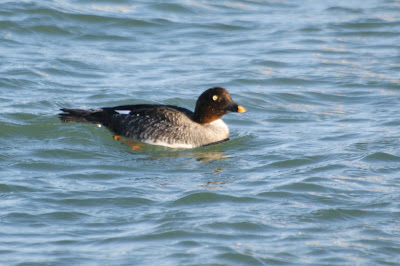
(138, 23)
(94, 19)
(344, 10)
(102, 37)
(382, 157)
(304, 187)
(340, 137)
(291, 163)
(237, 257)
(294, 98)
(63, 72)
(176, 8)
(200, 198)
(223, 27)
(293, 81)
(104, 201)
(312, 29)
(50, 30)
(269, 63)
(188, 244)
(338, 97)
(276, 194)
(7, 188)
(58, 216)
(77, 65)
(338, 214)
(12, 26)
(33, 8)
(329, 167)
(368, 24)
(159, 236)
(248, 227)
(63, 216)
(368, 34)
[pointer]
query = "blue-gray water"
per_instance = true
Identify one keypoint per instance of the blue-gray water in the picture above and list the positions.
(311, 174)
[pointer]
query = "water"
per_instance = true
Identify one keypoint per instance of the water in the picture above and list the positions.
(311, 174)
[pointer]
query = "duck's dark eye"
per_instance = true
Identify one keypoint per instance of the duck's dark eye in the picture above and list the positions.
(215, 97)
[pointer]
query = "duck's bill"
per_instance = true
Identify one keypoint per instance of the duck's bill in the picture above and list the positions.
(236, 108)
(241, 109)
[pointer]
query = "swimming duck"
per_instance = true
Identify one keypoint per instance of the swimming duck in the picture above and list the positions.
(165, 125)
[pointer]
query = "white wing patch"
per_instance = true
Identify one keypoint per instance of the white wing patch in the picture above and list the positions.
(123, 112)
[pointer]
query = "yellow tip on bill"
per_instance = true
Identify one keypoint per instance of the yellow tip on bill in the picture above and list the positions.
(241, 109)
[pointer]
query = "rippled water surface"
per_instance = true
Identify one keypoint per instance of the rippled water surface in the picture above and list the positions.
(311, 174)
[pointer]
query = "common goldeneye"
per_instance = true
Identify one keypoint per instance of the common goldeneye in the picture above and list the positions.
(165, 125)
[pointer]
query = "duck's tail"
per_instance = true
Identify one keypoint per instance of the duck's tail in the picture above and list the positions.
(82, 116)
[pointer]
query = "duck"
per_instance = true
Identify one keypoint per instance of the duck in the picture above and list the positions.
(165, 125)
